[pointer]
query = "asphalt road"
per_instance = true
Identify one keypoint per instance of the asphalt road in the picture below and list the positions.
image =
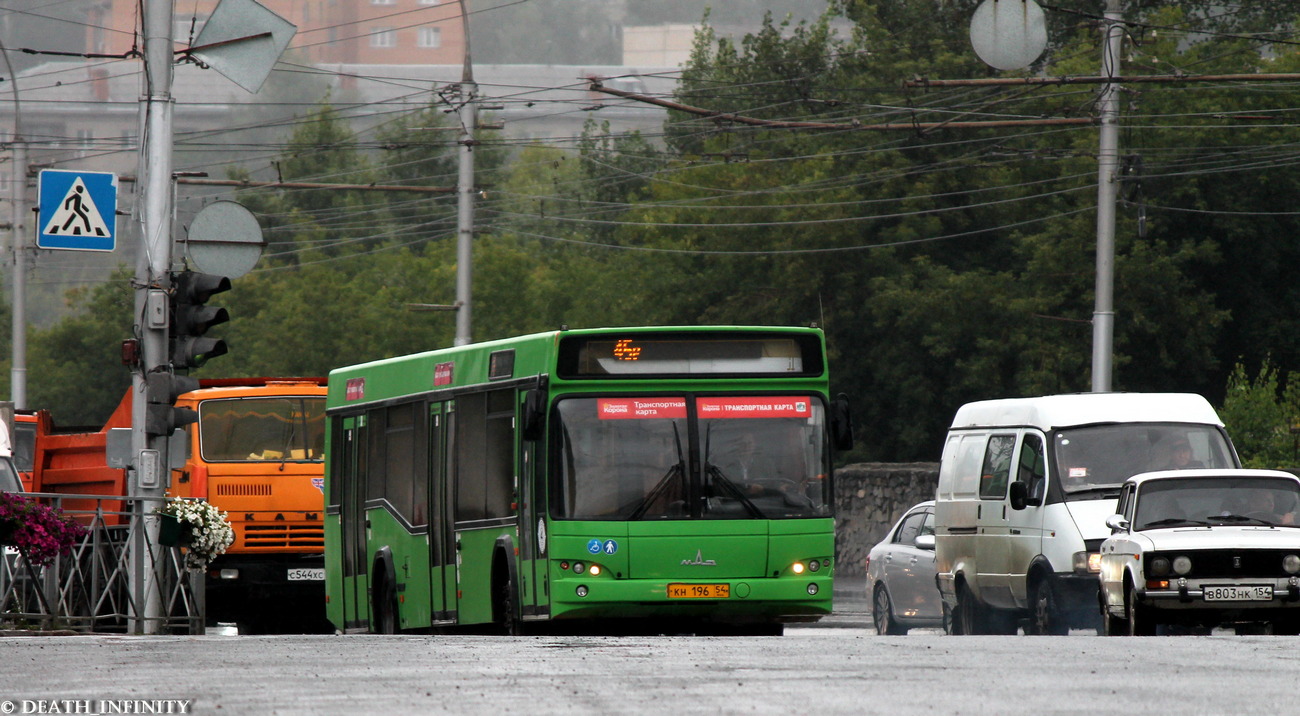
(838, 666)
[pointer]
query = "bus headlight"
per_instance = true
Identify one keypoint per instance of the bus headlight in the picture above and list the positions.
(797, 568)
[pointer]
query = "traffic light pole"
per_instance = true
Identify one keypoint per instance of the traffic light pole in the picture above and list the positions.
(147, 477)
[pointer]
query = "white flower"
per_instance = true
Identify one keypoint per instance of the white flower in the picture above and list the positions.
(210, 531)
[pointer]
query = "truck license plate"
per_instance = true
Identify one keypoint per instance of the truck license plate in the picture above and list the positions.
(308, 574)
(699, 591)
(1239, 593)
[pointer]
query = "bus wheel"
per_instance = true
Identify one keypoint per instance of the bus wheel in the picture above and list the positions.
(385, 608)
(506, 605)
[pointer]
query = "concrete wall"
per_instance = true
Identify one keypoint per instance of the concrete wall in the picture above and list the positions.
(869, 498)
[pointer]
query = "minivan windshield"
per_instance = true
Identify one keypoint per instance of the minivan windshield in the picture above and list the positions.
(1103, 456)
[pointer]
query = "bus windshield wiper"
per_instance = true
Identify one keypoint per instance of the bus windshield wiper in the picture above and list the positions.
(721, 479)
(677, 470)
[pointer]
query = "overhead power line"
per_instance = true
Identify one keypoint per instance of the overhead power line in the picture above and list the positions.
(596, 86)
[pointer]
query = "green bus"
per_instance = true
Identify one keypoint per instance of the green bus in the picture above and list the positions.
(662, 479)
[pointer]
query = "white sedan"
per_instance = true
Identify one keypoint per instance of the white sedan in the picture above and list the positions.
(900, 575)
(1203, 548)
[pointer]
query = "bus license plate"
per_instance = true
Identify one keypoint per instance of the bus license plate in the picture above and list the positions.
(312, 574)
(699, 591)
(1239, 593)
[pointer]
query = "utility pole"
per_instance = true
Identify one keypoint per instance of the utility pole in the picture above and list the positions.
(468, 116)
(146, 478)
(1103, 316)
(18, 242)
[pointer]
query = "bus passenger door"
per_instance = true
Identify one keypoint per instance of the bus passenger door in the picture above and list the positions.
(442, 548)
(532, 566)
(352, 515)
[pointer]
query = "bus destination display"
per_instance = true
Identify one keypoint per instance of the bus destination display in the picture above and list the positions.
(685, 354)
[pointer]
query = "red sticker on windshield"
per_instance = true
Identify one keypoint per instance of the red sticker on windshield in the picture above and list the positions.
(755, 407)
(640, 408)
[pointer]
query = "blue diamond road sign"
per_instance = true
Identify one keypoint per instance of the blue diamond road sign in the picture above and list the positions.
(77, 210)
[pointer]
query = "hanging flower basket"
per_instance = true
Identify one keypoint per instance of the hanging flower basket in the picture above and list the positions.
(39, 532)
(201, 529)
(170, 533)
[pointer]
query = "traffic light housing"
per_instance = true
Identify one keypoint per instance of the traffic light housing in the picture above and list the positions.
(162, 389)
(191, 318)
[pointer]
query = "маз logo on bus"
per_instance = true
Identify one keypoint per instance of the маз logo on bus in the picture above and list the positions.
(699, 560)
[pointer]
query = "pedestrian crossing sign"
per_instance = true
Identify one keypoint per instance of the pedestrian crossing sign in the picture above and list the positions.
(77, 210)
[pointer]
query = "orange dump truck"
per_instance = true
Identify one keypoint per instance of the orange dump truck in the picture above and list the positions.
(255, 453)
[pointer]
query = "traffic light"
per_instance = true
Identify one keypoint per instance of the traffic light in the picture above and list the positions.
(161, 391)
(191, 318)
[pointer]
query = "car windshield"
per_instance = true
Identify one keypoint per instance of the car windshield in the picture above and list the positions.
(262, 429)
(1101, 457)
(634, 458)
(1216, 501)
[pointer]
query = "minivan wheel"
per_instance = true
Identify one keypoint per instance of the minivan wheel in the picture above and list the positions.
(966, 617)
(1046, 618)
(882, 613)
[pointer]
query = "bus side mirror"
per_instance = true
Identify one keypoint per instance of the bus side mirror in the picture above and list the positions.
(841, 425)
(534, 414)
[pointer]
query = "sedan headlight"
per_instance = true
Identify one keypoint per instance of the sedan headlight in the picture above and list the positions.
(1291, 563)
(1159, 566)
(1182, 564)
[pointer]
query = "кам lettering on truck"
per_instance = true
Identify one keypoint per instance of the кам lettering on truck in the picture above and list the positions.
(257, 453)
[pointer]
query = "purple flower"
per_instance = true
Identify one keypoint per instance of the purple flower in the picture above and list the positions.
(38, 531)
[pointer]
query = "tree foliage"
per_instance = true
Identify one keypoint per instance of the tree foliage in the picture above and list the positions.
(947, 263)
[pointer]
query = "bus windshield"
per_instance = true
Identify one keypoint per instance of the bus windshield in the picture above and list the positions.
(746, 457)
(262, 429)
(1103, 456)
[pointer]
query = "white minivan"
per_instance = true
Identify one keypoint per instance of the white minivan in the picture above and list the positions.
(1026, 485)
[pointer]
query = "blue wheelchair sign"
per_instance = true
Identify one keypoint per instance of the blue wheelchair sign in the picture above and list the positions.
(77, 210)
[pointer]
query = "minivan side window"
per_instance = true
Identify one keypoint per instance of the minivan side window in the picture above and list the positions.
(997, 467)
(1032, 465)
(960, 472)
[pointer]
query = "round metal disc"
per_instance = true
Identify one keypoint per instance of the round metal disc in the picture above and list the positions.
(1008, 34)
(225, 239)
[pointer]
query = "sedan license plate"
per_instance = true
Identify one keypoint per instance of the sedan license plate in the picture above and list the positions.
(309, 574)
(699, 591)
(1239, 593)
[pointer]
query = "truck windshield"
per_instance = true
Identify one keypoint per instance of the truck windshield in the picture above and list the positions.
(762, 457)
(1103, 456)
(262, 429)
